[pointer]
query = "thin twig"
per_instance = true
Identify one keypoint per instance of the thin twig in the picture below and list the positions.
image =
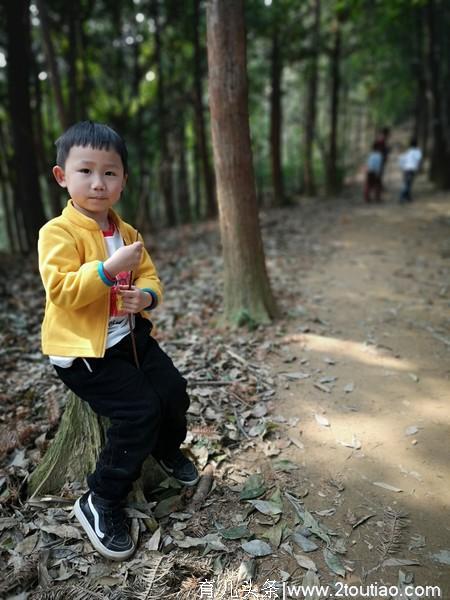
(239, 426)
(130, 320)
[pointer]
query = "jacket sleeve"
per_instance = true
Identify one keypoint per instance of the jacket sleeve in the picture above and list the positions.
(68, 282)
(146, 278)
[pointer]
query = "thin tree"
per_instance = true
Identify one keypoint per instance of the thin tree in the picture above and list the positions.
(311, 105)
(27, 191)
(247, 294)
(276, 118)
(332, 176)
(200, 126)
(440, 154)
(52, 64)
(165, 165)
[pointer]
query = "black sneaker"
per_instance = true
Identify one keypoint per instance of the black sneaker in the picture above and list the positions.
(180, 468)
(106, 526)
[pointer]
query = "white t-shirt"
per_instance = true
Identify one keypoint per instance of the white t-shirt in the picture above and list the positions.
(410, 160)
(118, 326)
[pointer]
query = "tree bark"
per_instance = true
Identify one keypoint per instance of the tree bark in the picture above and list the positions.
(45, 166)
(72, 59)
(52, 65)
(73, 454)
(26, 178)
(332, 179)
(197, 188)
(184, 208)
(440, 155)
(279, 198)
(165, 168)
(311, 107)
(420, 128)
(74, 451)
(200, 126)
(248, 297)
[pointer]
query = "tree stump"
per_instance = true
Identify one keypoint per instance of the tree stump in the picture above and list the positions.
(73, 454)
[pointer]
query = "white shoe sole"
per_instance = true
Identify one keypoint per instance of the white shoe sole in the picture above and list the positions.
(94, 539)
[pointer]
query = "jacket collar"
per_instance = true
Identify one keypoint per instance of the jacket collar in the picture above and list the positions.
(74, 216)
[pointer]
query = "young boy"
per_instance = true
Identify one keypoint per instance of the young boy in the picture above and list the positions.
(373, 176)
(100, 282)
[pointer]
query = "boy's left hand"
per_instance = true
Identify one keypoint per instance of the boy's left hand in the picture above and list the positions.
(134, 300)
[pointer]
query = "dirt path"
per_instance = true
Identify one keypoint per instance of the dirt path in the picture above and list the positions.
(372, 340)
(348, 389)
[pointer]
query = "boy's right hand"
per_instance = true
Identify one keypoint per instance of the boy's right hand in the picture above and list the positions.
(126, 258)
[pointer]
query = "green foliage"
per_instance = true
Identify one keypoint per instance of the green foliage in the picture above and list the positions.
(114, 76)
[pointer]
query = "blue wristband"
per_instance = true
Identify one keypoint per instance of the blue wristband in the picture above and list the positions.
(101, 271)
(154, 302)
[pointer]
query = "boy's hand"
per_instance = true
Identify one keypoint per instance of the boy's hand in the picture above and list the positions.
(126, 258)
(134, 300)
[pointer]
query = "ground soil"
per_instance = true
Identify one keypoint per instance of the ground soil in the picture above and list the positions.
(373, 312)
(363, 291)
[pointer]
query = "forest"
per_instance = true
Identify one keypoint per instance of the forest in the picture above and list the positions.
(311, 323)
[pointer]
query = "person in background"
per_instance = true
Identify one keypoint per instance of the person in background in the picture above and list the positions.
(409, 164)
(382, 141)
(373, 181)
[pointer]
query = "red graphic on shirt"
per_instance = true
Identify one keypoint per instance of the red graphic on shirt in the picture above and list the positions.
(116, 302)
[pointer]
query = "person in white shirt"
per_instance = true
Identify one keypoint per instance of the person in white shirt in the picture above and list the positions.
(373, 176)
(409, 164)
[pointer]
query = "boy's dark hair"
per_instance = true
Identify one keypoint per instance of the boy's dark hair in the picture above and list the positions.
(96, 135)
(413, 142)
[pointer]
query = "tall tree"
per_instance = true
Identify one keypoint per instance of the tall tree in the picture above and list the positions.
(200, 125)
(165, 165)
(26, 183)
(276, 118)
(440, 152)
(52, 64)
(332, 175)
(248, 297)
(311, 104)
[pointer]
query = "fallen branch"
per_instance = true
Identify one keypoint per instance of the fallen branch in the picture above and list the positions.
(203, 488)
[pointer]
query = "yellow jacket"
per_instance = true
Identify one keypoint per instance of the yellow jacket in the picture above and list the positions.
(71, 254)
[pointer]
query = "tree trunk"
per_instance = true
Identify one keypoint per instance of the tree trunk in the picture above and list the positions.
(420, 128)
(72, 59)
(197, 188)
(45, 166)
(74, 451)
(26, 179)
(248, 297)
(333, 181)
(52, 65)
(200, 126)
(5, 190)
(73, 455)
(184, 209)
(165, 168)
(279, 198)
(311, 107)
(439, 159)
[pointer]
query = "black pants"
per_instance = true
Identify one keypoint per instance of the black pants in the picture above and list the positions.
(146, 407)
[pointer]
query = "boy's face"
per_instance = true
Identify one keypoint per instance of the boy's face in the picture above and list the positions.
(93, 178)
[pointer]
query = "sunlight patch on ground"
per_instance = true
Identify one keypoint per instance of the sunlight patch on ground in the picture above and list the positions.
(370, 355)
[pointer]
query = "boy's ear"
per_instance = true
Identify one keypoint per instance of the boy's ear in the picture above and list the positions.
(124, 182)
(59, 175)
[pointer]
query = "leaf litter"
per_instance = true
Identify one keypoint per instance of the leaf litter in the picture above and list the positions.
(231, 412)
